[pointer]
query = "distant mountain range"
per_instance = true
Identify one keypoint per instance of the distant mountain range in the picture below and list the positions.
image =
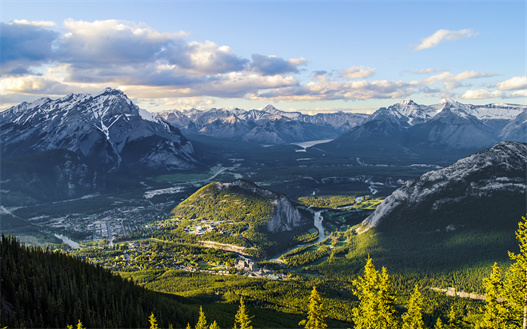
(107, 132)
(403, 132)
(269, 125)
(445, 130)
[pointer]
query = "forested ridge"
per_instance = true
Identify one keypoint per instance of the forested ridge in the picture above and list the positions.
(41, 288)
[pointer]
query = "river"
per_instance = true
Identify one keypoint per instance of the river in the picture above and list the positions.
(318, 219)
(68, 241)
(318, 224)
(305, 145)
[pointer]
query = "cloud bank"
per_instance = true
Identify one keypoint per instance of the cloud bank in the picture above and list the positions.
(42, 58)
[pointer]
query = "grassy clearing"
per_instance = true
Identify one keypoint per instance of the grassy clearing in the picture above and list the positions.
(187, 177)
(327, 201)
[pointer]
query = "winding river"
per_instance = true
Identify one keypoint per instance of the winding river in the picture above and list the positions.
(318, 219)
(318, 224)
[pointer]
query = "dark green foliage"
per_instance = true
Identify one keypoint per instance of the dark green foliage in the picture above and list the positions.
(308, 237)
(41, 289)
(327, 201)
(55, 175)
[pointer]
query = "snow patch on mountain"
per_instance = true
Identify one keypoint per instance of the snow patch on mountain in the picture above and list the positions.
(98, 128)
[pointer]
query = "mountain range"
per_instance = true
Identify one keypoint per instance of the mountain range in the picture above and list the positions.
(110, 134)
(448, 129)
(269, 125)
(106, 131)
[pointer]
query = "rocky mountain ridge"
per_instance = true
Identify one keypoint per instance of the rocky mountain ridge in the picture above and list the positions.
(448, 123)
(269, 125)
(106, 130)
(499, 170)
(442, 132)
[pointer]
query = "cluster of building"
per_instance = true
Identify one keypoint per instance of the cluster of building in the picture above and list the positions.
(250, 269)
(204, 227)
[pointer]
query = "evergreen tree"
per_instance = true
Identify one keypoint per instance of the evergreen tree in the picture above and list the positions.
(521, 260)
(79, 325)
(153, 321)
(366, 315)
(439, 324)
(376, 299)
(242, 319)
(315, 312)
(514, 293)
(413, 318)
(386, 301)
(453, 322)
(202, 321)
(214, 325)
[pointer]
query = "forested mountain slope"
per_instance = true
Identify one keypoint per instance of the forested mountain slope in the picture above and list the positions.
(242, 214)
(455, 217)
(42, 289)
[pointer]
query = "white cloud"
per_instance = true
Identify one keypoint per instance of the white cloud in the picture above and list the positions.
(272, 65)
(358, 72)
(481, 94)
(323, 88)
(41, 24)
(208, 58)
(513, 83)
(519, 93)
(112, 42)
(444, 35)
(452, 81)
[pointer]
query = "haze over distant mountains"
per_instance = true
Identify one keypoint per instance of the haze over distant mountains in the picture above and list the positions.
(269, 125)
(447, 123)
(108, 132)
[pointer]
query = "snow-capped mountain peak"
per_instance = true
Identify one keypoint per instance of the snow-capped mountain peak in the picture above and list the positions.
(101, 129)
(407, 102)
(271, 109)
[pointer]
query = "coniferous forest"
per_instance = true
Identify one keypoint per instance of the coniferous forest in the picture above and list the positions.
(41, 288)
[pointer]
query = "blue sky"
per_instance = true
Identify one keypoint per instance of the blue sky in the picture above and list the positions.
(297, 55)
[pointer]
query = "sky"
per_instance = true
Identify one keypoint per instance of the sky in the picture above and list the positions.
(307, 56)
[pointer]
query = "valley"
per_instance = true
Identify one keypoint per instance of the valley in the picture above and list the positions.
(268, 218)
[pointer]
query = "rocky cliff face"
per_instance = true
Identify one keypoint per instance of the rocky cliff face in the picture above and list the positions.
(485, 178)
(285, 216)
